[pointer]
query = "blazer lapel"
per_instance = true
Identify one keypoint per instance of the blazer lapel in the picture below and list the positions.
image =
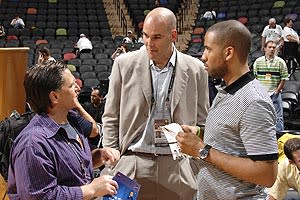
(145, 77)
(181, 78)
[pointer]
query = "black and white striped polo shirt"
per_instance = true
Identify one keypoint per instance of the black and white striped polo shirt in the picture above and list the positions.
(241, 122)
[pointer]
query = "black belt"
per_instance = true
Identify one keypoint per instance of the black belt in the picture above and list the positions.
(144, 154)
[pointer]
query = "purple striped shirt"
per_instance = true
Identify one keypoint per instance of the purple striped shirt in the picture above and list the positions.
(46, 163)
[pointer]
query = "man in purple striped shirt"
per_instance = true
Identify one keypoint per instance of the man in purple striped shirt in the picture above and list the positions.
(51, 158)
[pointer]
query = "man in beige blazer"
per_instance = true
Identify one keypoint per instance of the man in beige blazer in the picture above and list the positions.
(150, 87)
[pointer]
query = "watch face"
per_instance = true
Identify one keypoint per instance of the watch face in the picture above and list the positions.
(203, 153)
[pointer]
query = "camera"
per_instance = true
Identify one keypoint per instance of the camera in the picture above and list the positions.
(119, 50)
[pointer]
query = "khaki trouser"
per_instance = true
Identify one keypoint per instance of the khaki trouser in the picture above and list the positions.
(161, 177)
(3, 189)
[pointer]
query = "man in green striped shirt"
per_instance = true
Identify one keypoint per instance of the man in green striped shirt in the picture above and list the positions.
(272, 72)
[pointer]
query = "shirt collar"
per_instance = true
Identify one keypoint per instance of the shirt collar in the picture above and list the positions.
(171, 62)
(269, 60)
(239, 83)
(52, 126)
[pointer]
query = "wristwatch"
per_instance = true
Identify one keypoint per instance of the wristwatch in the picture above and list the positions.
(203, 153)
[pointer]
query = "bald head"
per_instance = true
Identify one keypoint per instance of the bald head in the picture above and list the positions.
(159, 34)
(163, 15)
(272, 20)
(235, 34)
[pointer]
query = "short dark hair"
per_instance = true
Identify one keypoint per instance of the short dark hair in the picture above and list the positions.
(45, 51)
(287, 20)
(233, 33)
(39, 81)
(125, 46)
(102, 88)
(270, 41)
(290, 146)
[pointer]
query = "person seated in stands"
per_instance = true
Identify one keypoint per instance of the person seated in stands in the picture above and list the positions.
(288, 171)
(2, 31)
(291, 40)
(129, 39)
(51, 158)
(96, 108)
(272, 32)
(123, 48)
(209, 15)
(45, 55)
(83, 45)
(17, 22)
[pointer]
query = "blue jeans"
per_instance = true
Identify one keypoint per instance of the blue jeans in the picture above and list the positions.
(277, 102)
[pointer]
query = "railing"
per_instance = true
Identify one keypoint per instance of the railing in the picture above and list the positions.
(121, 16)
(123, 22)
(183, 12)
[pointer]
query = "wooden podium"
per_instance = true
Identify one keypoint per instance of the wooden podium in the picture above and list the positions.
(13, 65)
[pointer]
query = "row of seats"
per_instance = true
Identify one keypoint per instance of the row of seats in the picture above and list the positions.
(57, 25)
(57, 32)
(56, 19)
(291, 102)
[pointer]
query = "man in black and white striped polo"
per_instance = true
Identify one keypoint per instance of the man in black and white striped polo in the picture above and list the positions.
(238, 152)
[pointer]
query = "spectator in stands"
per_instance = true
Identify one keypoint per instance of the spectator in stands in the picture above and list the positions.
(271, 71)
(52, 152)
(44, 55)
(96, 108)
(272, 32)
(17, 22)
(238, 155)
(291, 40)
(122, 49)
(209, 15)
(2, 31)
(148, 87)
(288, 171)
(83, 45)
(129, 39)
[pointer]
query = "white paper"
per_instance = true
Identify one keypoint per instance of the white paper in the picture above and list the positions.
(170, 131)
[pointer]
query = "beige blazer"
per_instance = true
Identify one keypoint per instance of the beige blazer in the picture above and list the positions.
(129, 97)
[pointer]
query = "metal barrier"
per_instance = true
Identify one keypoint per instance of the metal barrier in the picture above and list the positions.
(121, 15)
(183, 12)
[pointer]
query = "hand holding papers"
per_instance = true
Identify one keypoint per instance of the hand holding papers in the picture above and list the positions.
(170, 132)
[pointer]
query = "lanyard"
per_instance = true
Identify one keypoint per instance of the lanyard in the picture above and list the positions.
(169, 88)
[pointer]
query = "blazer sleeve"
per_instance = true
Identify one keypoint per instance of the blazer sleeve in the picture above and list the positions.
(111, 115)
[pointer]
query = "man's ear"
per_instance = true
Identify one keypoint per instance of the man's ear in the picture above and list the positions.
(291, 162)
(54, 97)
(174, 35)
(229, 51)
